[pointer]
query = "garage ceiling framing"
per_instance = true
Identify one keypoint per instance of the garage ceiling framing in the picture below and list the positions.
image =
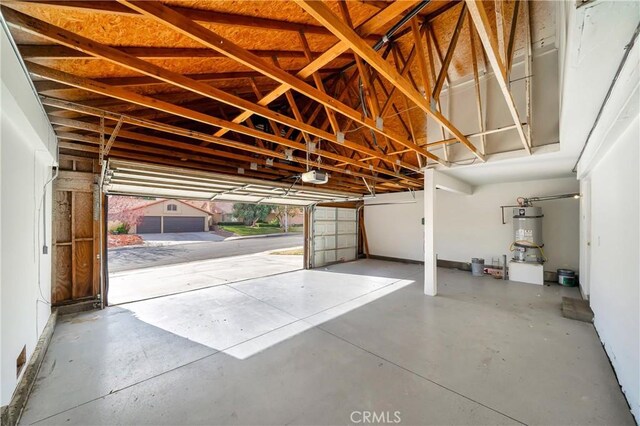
(216, 86)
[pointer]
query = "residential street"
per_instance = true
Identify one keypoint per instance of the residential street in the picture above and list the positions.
(128, 258)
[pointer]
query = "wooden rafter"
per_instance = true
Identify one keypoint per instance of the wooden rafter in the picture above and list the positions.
(449, 55)
(528, 69)
(512, 36)
(48, 86)
(373, 24)
(43, 51)
(317, 79)
(132, 138)
(122, 94)
(326, 17)
(60, 35)
(186, 26)
(476, 81)
(489, 41)
(422, 60)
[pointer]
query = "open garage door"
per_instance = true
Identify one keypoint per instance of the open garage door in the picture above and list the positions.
(141, 179)
(333, 235)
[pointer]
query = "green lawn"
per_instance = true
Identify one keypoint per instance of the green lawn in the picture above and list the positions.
(244, 230)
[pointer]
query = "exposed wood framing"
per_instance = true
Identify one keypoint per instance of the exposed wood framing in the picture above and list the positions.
(270, 90)
(78, 42)
(36, 51)
(476, 80)
(512, 36)
(324, 15)
(186, 26)
(447, 59)
(488, 38)
(163, 127)
(528, 70)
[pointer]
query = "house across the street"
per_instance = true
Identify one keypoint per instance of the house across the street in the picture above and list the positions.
(167, 216)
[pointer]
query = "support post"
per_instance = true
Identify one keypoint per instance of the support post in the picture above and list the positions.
(430, 267)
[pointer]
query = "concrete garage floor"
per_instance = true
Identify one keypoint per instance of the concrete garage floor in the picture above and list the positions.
(141, 284)
(313, 347)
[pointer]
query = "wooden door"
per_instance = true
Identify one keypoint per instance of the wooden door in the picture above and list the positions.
(76, 238)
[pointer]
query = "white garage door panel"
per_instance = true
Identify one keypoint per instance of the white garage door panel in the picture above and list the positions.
(324, 228)
(335, 237)
(346, 214)
(325, 243)
(345, 254)
(346, 227)
(345, 241)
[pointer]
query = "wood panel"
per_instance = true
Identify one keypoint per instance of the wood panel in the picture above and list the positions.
(83, 213)
(62, 211)
(83, 263)
(61, 290)
(76, 235)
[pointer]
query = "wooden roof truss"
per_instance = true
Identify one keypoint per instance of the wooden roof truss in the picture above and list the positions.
(354, 111)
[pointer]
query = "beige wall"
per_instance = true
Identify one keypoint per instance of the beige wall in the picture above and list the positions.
(160, 209)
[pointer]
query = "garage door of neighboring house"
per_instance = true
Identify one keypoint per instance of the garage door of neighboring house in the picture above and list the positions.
(149, 225)
(334, 235)
(183, 224)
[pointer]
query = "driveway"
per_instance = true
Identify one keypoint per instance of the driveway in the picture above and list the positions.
(141, 284)
(129, 258)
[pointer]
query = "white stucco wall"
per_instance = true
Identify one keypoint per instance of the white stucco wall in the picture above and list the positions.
(395, 230)
(614, 267)
(470, 226)
(27, 151)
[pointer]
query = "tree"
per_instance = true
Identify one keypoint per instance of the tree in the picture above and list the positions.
(126, 211)
(282, 211)
(251, 213)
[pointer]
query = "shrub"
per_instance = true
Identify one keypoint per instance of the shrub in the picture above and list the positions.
(229, 223)
(119, 228)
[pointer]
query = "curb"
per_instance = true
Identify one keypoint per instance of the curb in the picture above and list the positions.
(248, 237)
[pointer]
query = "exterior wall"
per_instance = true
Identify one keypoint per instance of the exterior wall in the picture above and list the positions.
(182, 209)
(27, 153)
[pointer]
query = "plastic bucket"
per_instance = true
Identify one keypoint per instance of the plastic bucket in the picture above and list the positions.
(477, 267)
(567, 277)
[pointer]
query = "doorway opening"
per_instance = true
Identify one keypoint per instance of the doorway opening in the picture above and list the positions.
(162, 246)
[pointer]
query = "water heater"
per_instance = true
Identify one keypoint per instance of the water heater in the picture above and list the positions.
(527, 234)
